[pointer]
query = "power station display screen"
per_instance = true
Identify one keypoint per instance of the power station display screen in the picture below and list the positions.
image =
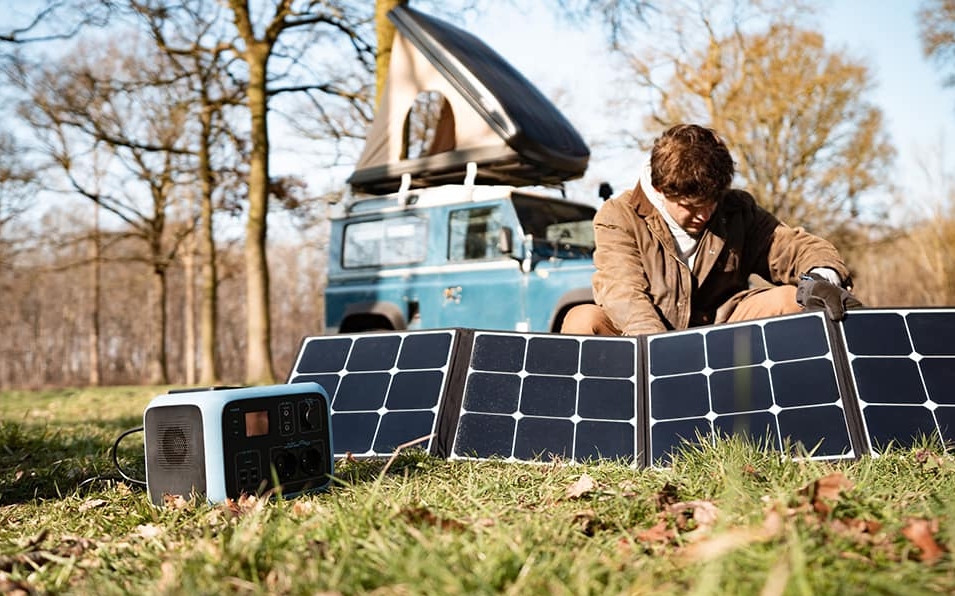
(257, 423)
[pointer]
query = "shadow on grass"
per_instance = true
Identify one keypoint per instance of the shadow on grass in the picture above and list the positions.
(52, 460)
(406, 463)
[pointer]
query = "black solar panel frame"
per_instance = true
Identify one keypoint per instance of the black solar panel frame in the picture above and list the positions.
(834, 339)
(851, 388)
(640, 410)
(446, 417)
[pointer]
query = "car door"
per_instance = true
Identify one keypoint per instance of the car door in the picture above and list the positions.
(481, 286)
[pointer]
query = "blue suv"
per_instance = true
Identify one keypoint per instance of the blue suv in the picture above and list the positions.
(477, 256)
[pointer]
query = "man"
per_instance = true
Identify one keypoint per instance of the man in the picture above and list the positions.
(677, 251)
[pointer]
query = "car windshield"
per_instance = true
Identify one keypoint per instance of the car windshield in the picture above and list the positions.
(560, 229)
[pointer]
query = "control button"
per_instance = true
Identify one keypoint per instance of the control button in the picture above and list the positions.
(313, 416)
(286, 418)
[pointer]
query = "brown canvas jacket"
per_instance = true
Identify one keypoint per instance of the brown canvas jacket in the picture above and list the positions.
(644, 287)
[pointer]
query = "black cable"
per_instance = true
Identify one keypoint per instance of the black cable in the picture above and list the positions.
(116, 461)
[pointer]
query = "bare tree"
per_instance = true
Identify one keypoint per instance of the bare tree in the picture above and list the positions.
(50, 20)
(18, 183)
(620, 17)
(259, 41)
(178, 30)
(108, 117)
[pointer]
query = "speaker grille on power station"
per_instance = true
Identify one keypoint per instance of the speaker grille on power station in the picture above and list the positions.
(181, 467)
(173, 444)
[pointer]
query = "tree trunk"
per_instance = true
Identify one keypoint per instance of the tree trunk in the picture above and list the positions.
(159, 367)
(95, 370)
(258, 366)
(189, 309)
(385, 31)
(208, 370)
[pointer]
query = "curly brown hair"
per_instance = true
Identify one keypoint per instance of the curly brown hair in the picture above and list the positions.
(691, 163)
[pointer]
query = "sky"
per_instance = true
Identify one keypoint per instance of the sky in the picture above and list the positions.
(571, 64)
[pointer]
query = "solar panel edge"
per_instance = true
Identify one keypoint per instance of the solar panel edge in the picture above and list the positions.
(298, 358)
(642, 407)
(449, 406)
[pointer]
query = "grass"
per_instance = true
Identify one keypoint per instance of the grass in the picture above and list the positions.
(729, 519)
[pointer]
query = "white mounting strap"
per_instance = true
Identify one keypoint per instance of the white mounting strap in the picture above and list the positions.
(403, 189)
(471, 174)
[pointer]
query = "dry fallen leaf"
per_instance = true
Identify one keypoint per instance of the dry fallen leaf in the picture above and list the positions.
(168, 577)
(148, 531)
(175, 502)
(703, 514)
(658, 533)
(920, 532)
(584, 485)
(305, 508)
(716, 546)
(587, 522)
(826, 490)
(13, 587)
(92, 504)
(423, 516)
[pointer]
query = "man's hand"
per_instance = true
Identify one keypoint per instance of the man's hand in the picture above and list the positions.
(815, 292)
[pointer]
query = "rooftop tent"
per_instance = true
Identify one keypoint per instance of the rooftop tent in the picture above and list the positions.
(486, 113)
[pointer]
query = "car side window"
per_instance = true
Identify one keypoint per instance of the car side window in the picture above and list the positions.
(473, 234)
(393, 241)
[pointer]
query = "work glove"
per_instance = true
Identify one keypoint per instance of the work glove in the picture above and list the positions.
(816, 292)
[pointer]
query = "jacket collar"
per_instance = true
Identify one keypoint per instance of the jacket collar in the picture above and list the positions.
(640, 203)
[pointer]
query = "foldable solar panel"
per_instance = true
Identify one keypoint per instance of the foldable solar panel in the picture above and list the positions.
(902, 369)
(534, 397)
(386, 389)
(774, 380)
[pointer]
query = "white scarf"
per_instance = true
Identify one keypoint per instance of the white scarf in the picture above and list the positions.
(685, 244)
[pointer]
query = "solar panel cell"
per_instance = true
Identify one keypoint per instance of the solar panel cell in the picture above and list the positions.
(804, 383)
(602, 439)
(543, 439)
(485, 436)
(681, 396)
(377, 352)
(933, 332)
(552, 356)
(733, 347)
(821, 431)
(607, 399)
(607, 358)
(740, 390)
